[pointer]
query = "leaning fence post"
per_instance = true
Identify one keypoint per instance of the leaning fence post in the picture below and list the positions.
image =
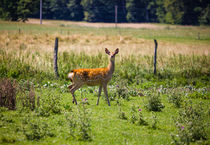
(155, 56)
(55, 57)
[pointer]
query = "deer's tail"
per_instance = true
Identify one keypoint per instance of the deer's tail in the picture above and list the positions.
(71, 75)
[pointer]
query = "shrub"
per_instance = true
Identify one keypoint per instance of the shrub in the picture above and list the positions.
(155, 120)
(176, 99)
(7, 139)
(154, 103)
(121, 115)
(36, 129)
(200, 94)
(191, 124)
(8, 94)
(79, 123)
(133, 117)
(121, 91)
(28, 96)
(84, 130)
(141, 120)
(50, 104)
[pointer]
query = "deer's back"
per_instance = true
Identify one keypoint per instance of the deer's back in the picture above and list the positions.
(90, 77)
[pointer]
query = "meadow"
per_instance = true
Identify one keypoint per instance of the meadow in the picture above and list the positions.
(171, 107)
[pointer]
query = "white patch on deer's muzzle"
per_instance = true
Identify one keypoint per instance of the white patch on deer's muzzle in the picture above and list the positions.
(70, 75)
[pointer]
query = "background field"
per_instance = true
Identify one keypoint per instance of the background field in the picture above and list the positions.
(183, 75)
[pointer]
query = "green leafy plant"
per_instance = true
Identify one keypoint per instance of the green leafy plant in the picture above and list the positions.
(79, 123)
(191, 124)
(176, 99)
(154, 103)
(36, 129)
(141, 120)
(50, 104)
(133, 117)
(155, 121)
(122, 115)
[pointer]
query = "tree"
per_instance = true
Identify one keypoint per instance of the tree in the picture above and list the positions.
(174, 11)
(25, 8)
(102, 10)
(8, 10)
(204, 17)
(138, 10)
(16, 10)
(76, 10)
(160, 11)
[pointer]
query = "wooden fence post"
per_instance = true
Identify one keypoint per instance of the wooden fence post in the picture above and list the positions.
(155, 56)
(55, 57)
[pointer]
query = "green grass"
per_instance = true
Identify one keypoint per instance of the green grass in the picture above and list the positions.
(193, 34)
(185, 75)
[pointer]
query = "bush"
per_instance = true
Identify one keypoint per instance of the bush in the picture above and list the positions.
(28, 96)
(120, 91)
(141, 120)
(154, 103)
(36, 129)
(121, 115)
(176, 99)
(79, 123)
(133, 117)
(8, 94)
(50, 104)
(191, 124)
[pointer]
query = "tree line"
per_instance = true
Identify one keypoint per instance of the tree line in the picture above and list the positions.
(187, 12)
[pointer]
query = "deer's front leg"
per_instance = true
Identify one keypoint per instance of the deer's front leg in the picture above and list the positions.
(105, 91)
(99, 94)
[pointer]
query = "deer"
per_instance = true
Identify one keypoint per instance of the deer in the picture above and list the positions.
(93, 77)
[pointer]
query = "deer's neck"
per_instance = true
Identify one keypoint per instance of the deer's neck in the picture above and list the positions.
(111, 67)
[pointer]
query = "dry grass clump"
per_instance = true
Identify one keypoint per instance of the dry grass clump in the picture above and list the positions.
(8, 94)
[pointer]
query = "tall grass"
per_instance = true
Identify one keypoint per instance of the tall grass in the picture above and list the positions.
(27, 57)
(27, 51)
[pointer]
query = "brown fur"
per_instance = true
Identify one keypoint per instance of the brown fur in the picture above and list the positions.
(93, 77)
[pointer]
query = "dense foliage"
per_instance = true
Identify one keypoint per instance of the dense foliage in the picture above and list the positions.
(164, 11)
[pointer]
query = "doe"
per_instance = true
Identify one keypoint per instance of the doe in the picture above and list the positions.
(93, 77)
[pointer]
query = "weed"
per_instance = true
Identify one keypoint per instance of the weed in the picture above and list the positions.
(191, 124)
(155, 121)
(79, 123)
(122, 91)
(36, 129)
(133, 117)
(176, 99)
(50, 104)
(7, 139)
(154, 103)
(141, 120)
(122, 115)
(27, 96)
(199, 94)
(8, 94)
(83, 124)
(70, 117)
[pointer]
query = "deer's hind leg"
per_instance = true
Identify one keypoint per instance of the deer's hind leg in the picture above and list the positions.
(72, 90)
(99, 94)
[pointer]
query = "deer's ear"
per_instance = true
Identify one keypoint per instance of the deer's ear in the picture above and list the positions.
(107, 51)
(116, 51)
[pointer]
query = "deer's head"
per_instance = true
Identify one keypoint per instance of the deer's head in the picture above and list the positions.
(112, 54)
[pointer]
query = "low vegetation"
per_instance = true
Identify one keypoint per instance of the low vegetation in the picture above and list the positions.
(171, 107)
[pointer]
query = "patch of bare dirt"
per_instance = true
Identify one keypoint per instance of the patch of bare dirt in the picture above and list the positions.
(100, 25)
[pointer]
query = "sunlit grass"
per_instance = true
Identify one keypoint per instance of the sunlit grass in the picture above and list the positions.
(26, 54)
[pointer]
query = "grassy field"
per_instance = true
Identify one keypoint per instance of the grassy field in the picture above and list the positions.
(171, 107)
